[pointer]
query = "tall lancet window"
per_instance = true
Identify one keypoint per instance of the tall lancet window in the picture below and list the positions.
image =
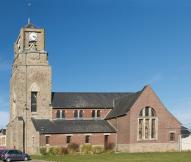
(14, 105)
(147, 124)
(33, 101)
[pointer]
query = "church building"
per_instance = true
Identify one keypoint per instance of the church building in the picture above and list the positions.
(130, 121)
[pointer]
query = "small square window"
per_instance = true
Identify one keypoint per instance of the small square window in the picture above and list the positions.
(80, 113)
(98, 113)
(62, 114)
(58, 114)
(172, 136)
(87, 139)
(47, 140)
(75, 113)
(93, 113)
(68, 139)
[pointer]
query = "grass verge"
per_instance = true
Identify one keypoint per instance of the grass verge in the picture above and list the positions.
(121, 157)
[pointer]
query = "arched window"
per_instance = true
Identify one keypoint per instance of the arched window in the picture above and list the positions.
(147, 124)
(14, 105)
(34, 96)
(34, 101)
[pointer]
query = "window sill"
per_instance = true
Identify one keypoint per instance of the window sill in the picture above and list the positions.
(154, 139)
(78, 118)
(34, 113)
(60, 119)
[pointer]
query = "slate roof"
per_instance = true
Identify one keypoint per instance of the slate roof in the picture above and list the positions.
(85, 100)
(120, 103)
(45, 126)
(123, 105)
(185, 132)
(3, 131)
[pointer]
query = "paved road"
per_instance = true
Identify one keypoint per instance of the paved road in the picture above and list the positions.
(29, 161)
(37, 161)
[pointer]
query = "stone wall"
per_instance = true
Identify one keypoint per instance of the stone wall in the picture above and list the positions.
(30, 73)
(149, 147)
(15, 134)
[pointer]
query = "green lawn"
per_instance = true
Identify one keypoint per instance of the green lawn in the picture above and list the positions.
(122, 157)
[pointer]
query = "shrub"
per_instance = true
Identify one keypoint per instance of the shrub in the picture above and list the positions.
(43, 151)
(54, 151)
(63, 150)
(97, 149)
(86, 149)
(73, 148)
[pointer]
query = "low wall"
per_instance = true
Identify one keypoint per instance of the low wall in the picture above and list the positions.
(186, 144)
(148, 147)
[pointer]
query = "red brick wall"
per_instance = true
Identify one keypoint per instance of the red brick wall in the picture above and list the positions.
(60, 139)
(122, 124)
(128, 124)
(166, 121)
(87, 113)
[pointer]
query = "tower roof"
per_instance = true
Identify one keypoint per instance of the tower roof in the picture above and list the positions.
(30, 25)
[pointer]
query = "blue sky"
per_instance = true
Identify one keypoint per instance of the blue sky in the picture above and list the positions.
(107, 46)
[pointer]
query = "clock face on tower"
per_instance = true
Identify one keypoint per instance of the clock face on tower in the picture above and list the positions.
(33, 37)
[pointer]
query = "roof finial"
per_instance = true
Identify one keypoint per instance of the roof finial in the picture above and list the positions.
(29, 4)
(29, 20)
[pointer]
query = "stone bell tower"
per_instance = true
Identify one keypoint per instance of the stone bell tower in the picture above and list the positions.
(30, 88)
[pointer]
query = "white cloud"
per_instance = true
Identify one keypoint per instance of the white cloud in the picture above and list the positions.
(4, 112)
(4, 117)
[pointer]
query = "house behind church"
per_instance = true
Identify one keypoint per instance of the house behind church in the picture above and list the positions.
(2, 138)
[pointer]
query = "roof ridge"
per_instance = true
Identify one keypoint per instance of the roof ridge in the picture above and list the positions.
(97, 92)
